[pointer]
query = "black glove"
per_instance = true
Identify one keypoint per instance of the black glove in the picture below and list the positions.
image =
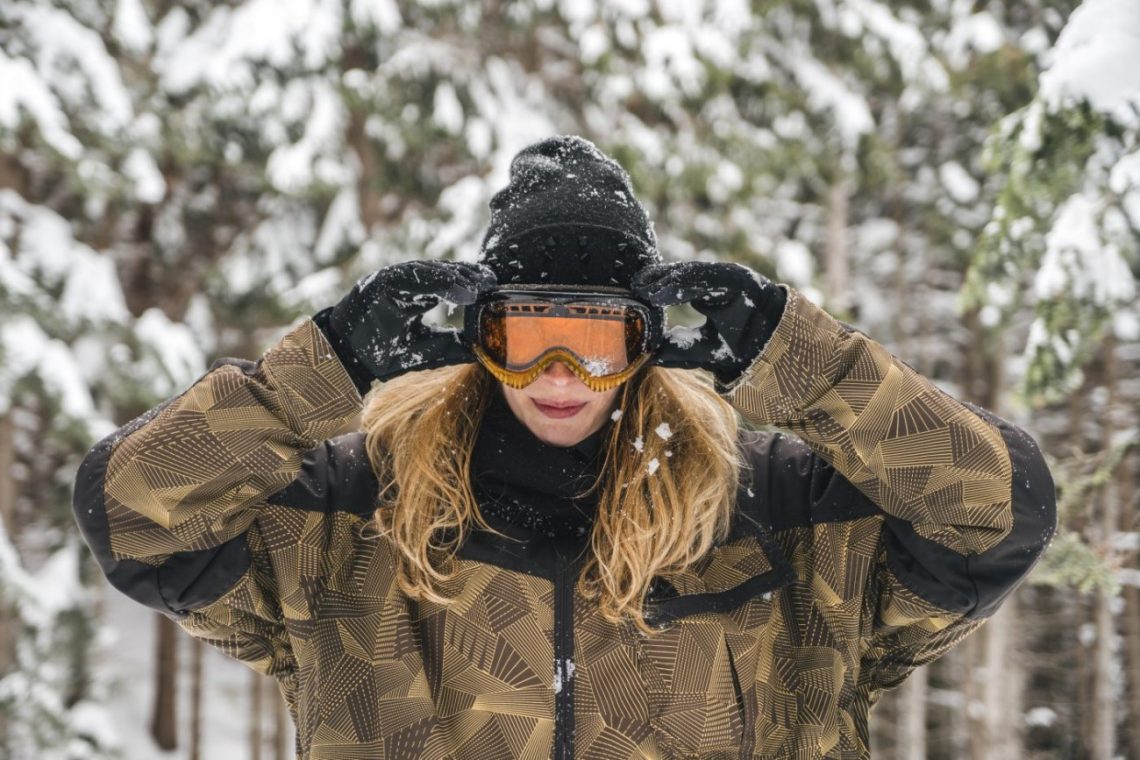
(741, 308)
(377, 329)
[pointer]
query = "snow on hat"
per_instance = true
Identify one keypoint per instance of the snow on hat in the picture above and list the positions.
(567, 216)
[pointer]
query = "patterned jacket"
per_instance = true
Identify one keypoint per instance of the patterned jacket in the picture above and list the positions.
(885, 525)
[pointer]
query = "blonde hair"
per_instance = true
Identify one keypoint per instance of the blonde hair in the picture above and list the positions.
(666, 487)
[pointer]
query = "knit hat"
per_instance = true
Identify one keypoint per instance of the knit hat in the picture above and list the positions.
(567, 216)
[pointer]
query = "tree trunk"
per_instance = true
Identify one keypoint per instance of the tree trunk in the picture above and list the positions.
(1132, 668)
(884, 725)
(255, 715)
(911, 743)
(284, 745)
(962, 663)
(1001, 690)
(1103, 739)
(996, 733)
(164, 712)
(838, 295)
(8, 626)
(196, 647)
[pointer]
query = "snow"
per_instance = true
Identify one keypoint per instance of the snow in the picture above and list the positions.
(639, 444)
(131, 26)
(42, 595)
(126, 641)
(682, 336)
(27, 349)
(616, 415)
(958, 183)
(904, 40)
(978, 33)
(563, 673)
(794, 263)
(295, 166)
(81, 71)
(1040, 716)
(381, 15)
(653, 466)
(223, 50)
(1124, 180)
(1078, 263)
(1096, 59)
(178, 352)
(464, 205)
(23, 90)
(1128, 576)
(828, 93)
(47, 247)
(663, 431)
(447, 110)
(671, 66)
(149, 184)
(598, 367)
(1126, 325)
(341, 226)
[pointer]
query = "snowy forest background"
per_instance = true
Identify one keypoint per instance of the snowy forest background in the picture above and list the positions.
(182, 181)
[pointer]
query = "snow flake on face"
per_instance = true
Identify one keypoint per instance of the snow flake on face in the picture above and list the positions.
(663, 431)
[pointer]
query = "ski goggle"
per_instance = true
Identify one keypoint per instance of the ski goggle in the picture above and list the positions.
(602, 334)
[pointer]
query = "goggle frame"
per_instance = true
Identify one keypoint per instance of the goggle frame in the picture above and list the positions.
(653, 318)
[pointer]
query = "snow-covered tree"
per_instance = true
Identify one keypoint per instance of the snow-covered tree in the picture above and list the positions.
(180, 180)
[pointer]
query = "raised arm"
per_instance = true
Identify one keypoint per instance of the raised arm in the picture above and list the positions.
(171, 503)
(966, 501)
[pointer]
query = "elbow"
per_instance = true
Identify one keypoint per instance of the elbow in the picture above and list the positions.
(88, 505)
(998, 571)
(1033, 494)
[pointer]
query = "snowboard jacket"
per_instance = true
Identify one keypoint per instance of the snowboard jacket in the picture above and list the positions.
(881, 523)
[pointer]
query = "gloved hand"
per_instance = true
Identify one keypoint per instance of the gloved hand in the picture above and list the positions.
(741, 308)
(377, 329)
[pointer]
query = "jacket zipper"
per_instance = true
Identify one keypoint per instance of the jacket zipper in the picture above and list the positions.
(563, 661)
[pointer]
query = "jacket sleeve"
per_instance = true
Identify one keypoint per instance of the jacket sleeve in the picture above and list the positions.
(174, 504)
(965, 499)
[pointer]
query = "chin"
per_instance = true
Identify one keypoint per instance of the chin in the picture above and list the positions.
(558, 435)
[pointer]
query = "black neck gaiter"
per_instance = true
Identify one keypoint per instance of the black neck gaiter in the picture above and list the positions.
(527, 488)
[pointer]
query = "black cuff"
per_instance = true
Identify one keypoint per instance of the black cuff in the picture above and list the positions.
(360, 375)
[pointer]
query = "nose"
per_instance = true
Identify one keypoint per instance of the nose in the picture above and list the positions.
(559, 372)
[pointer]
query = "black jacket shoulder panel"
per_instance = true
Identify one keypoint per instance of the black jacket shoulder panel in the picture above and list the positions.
(787, 485)
(335, 476)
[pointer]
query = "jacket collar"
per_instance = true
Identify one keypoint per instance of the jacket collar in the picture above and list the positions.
(526, 493)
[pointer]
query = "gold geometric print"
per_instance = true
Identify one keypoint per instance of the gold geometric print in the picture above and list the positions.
(876, 442)
(817, 626)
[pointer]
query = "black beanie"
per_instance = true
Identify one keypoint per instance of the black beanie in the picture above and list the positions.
(568, 216)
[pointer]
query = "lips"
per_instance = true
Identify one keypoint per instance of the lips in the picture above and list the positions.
(559, 409)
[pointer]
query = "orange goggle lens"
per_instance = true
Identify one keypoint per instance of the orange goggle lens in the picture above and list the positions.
(603, 344)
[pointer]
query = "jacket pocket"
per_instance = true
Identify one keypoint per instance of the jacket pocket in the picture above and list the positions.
(693, 693)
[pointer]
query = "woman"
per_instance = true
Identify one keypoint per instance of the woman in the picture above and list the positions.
(557, 541)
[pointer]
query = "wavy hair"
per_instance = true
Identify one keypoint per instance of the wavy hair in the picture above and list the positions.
(666, 487)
